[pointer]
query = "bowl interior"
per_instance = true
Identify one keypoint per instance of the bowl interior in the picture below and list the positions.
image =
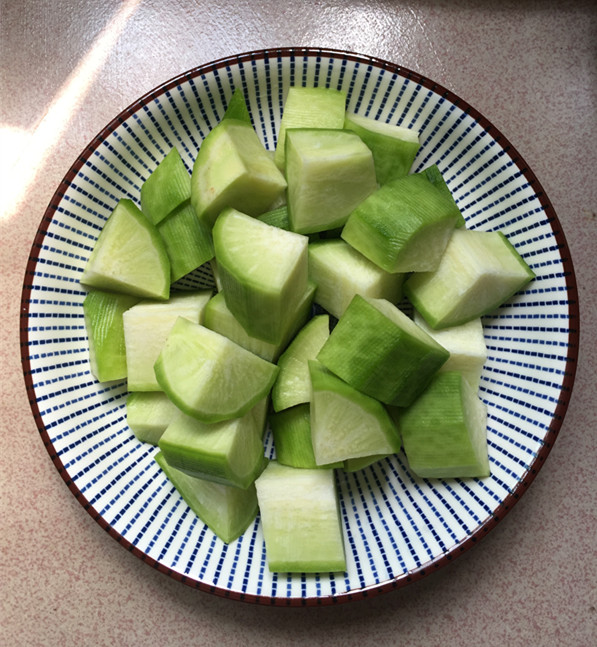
(397, 527)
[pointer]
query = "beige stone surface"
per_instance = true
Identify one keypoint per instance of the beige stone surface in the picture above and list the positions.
(67, 68)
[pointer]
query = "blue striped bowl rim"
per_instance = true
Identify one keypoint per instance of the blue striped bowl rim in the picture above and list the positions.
(398, 528)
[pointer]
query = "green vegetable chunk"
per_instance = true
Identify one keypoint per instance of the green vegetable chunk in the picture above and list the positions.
(168, 186)
(478, 272)
(233, 169)
(148, 413)
(226, 510)
(219, 318)
(146, 328)
(394, 148)
(237, 107)
(309, 108)
(129, 256)
(434, 175)
(208, 376)
(187, 240)
(340, 272)
(329, 173)
(293, 384)
(360, 463)
(404, 226)
(277, 217)
(444, 430)
(346, 423)
(291, 429)
(228, 452)
(380, 351)
(105, 332)
(263, 272)
(466, 345)
(301, 519)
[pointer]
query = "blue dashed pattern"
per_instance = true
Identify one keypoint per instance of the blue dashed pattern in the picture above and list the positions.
(394, 524)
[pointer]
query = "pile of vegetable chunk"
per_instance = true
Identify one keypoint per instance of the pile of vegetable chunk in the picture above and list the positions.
(312, 248)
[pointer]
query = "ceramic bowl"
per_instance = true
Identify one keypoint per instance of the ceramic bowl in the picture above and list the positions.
(397, 527)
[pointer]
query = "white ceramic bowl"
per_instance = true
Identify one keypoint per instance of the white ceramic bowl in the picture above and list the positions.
(397, 527)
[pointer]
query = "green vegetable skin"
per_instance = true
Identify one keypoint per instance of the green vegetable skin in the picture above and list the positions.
(210, 420)
(105, 331)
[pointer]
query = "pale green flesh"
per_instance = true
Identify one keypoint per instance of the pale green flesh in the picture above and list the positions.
(263, 272)
(309, 108)
(233, 169)
(478, 272)
(146, 328)
(210, 377)
(129, 256)
(340, 272)
(105, 332)
(148, 414)
(466, 345)
(394, 148)
(444, 431)
(168, 186)
(329, 173)
(229, 452)
(404, 226)
(300, 518)
(293, 384)
(219, 319)
(378, 350)
(187, 240)
(291, 429)
(227, 511)
(346, 423)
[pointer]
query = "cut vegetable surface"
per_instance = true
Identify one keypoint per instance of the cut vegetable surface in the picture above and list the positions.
(444, 430)
(478, 272)
(329, 173)
(293, 384)
(219, 318)
(404, 226)
(129, 256)
(263, 271)
(340, 272)
(301, 519)
(233, 169)
(208, 376)
(309, 108)
(346, 423)
(146, 328)
(291, 429)
(227, 511)
(466, 345)
(148, 414)
(380, 351)
(105, 332)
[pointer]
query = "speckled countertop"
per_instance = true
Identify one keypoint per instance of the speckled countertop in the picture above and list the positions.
(67, 69)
